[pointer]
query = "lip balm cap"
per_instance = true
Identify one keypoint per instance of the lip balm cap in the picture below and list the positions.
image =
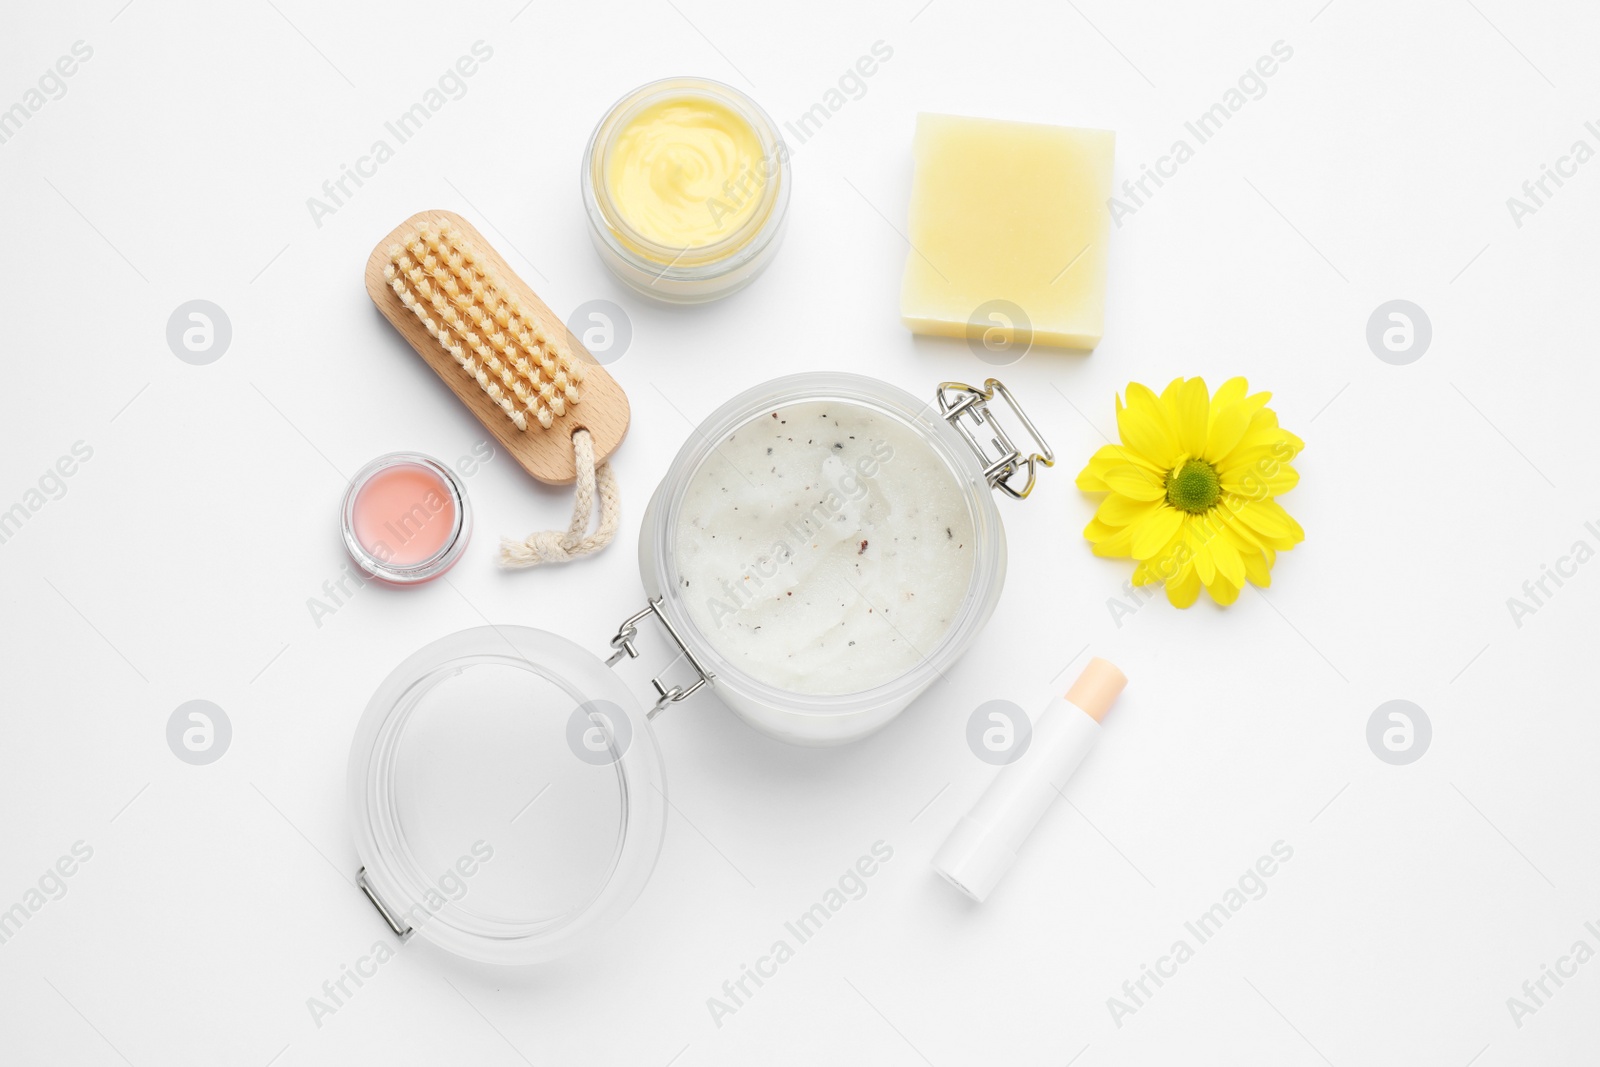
(1097, 688)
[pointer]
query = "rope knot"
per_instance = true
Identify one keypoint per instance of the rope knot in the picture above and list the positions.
(560, 546)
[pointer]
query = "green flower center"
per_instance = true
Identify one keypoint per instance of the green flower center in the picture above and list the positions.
(1193, 486)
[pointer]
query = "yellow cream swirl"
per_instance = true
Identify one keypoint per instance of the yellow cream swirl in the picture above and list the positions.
(685, 172)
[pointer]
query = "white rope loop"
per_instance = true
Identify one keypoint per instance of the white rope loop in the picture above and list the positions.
(559, 546)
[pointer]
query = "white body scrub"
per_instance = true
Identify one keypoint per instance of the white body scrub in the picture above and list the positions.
(824, 548)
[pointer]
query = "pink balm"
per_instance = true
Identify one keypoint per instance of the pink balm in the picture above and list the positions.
(404, 515)
(405, 518)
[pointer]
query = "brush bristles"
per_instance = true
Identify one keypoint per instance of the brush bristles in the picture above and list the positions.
(462, 304)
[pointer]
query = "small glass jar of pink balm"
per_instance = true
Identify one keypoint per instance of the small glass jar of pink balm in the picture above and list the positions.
(405, 518)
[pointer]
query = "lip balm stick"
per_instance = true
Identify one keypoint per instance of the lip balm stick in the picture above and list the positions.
(984, 844)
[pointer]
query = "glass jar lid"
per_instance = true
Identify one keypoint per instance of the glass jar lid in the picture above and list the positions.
(507, 795)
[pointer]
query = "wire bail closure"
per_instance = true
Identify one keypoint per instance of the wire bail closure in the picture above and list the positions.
(623, 643)
(957, 399)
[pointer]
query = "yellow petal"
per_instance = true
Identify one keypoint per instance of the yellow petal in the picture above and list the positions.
(1098, 531)
(1256, 515)
(1252, 484)
(1228, 393)
(1154, 533)
(1135, 482)
(1169, 401)
(1223, 591)
(1229, 564)
(1167, 561)
(1275, 509)
(1261, 428)
(1173, 556)
(1277, 450)
(1204, 564)
(1183, 589)
(1285, 479)
(1227, 426)
(1296, 534)
(1092, 478)
(1117, 511)
(1270, 512)
(1143, 425)
(1265, 435)
(1244, 539)
(1108, 542)
(1192, 406)
(1258, 570)
(1116, 547)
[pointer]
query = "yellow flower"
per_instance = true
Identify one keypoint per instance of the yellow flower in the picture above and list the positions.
(1190, 489)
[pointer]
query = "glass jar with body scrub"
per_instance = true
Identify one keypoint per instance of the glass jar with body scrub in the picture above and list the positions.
(821, 549)
(826, 545)
(686, 186)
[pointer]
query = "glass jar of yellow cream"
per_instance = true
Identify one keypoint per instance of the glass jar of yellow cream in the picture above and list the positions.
(686, 184)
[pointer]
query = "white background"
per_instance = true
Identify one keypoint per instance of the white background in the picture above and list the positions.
(179, 562)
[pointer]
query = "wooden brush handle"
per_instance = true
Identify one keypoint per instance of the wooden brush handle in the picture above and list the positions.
(544, 453)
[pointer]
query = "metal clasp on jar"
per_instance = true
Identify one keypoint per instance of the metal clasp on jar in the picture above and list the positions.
(623, 643)
(958, 399)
